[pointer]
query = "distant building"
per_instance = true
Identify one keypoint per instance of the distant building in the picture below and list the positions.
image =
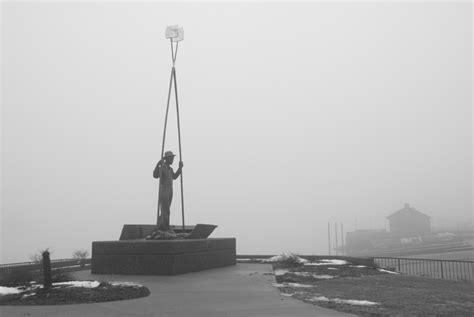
(409, 222)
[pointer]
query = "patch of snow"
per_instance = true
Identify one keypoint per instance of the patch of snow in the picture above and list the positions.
(324, 276)
(67, 267)
(21, 289)
(333, 268)
(280, 272)
(258, 260)
(288, 294)
(360, 266)
(9, 290)
(387, 271)
(33, 287)
(28, 295)
(291, 285)
(285, 257)
(254, 259)
(125, 284)
(344, 301)
(85, 284)
(335, 262)
(354, 302)
(328, 262)
(307, 274)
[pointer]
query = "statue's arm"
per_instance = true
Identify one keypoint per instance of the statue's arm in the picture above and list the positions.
(178, 172)
(157, 171)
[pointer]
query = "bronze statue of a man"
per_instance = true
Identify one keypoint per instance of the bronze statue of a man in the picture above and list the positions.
(164, 171)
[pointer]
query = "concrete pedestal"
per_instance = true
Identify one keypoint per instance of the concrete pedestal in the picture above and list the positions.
(161, 257)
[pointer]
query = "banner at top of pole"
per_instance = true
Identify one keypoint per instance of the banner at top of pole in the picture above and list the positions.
(175, 33)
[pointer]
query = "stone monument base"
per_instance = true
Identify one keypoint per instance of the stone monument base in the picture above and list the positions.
(161, 257)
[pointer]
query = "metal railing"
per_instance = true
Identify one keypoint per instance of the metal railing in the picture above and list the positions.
(455, 270)
(37, 266)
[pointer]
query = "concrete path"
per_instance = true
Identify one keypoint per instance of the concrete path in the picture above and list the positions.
(241, 290)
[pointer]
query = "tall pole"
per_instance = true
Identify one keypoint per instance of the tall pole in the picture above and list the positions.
(343, 250)
(179, 141)
(163, 147)
(329, 238)
(173, 80)
(335, 234)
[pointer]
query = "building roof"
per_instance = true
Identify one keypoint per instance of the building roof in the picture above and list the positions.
(407, 210)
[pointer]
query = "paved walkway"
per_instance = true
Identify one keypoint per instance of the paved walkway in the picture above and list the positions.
(241, 290)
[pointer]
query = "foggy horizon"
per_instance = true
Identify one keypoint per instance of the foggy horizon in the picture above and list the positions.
(292, 116)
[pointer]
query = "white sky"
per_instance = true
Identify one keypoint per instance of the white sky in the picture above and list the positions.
(292, 116)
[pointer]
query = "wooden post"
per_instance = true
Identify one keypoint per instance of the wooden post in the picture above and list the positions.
(47, 276)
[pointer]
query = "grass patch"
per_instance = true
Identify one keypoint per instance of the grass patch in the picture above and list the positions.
(31, 291)
(65, 294)
(393, 295)
(17, 278)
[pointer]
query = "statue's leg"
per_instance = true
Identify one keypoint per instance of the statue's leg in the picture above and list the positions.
(169, 207)
(159, 225)
(165, 207)
(160, 219)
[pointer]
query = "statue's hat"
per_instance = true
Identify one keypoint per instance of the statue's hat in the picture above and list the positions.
(168, 154)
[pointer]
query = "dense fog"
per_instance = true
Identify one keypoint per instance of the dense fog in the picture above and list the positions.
(292, 116)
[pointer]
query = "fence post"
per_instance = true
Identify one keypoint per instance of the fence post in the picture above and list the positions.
(399, 269)
(442, 273)
(48, 280)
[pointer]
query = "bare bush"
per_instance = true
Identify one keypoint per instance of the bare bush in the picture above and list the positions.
(38, 256)
(80, 255)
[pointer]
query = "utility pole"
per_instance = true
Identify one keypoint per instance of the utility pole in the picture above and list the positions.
(329, 239)
(335, 233)
(343, 250)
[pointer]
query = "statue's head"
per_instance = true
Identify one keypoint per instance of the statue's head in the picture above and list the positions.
(169, 157)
